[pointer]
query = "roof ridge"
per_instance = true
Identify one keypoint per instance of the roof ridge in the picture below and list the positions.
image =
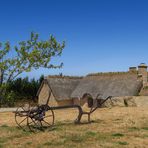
(110, 73)
(64, 76)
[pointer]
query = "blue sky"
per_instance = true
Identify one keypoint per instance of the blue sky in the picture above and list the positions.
(100, 35)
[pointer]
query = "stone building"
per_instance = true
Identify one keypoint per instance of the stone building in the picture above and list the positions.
(58, 89)
(67, 90)
(142, 70)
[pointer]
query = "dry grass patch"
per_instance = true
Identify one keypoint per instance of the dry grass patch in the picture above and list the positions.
(116, 127)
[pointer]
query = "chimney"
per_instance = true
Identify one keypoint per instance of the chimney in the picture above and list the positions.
(132, 69)
(142, 70)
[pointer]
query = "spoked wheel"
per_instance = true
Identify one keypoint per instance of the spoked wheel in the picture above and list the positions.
(40, 119)
(21, 114)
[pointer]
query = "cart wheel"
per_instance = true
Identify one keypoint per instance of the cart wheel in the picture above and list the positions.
(40, 119)
(21, 117)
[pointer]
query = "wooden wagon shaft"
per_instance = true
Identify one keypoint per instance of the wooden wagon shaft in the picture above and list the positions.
(93, 109)
(34, 117)
(81, 112)
(71, 106)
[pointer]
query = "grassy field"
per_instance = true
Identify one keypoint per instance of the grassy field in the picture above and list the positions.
(115, 127)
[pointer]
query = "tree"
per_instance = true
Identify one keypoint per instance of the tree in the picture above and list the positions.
(24, 88)
(41, 79)
(28, 55)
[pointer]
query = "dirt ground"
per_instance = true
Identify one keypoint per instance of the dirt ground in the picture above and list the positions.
(111, 127)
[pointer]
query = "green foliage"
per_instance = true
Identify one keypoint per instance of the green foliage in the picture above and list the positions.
(28, 55)
(25, 88)
(21, 88)
(10, 98)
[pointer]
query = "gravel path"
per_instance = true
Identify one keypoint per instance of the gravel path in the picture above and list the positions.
(8, 109)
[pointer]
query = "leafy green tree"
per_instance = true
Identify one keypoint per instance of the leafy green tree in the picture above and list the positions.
(30, 54)
(22, 88)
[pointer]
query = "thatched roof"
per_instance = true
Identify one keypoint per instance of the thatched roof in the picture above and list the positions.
(112, 73)
(63, 76)
(118, 84)
(62, 87)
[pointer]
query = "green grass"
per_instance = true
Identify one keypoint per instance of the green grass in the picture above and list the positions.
(104, 132)
(145, 88)
(122, 143)
(91, 134)
(14, 133)
(145, 136)
(134, 128)
(3, 140)
(8, 128)
(117, 135)
(76, 138)
(65, 140)
(145, 128)
(54, 143)
(1, 146)
(4, 125)
(29, 143)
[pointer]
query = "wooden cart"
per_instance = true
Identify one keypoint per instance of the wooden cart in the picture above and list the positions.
(42, 117)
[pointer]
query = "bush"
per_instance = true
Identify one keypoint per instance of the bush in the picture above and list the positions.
(19, 89)
(8, 99)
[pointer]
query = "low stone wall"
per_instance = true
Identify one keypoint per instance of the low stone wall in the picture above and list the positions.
(131, 101)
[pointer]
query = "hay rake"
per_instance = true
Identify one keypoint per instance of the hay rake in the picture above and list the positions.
(42, 117)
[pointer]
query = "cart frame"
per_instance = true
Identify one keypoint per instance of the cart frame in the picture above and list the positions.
(34, 118)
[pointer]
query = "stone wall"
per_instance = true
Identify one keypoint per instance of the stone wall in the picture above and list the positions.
(127, 101)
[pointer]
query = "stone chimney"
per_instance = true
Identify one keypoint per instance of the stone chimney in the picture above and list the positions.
(132, 69)
(142, 71)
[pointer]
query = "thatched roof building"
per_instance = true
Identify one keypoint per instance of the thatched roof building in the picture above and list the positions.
(59, 88)
(62, 87)
(65, 90)
(110, 84)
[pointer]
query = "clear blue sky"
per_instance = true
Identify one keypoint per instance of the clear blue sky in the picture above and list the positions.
(100, 35)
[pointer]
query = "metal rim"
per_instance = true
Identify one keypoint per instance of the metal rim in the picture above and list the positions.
(21, 117)
(40, 120)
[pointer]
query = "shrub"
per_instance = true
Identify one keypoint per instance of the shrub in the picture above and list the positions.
(19, 89)
(9, 99)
